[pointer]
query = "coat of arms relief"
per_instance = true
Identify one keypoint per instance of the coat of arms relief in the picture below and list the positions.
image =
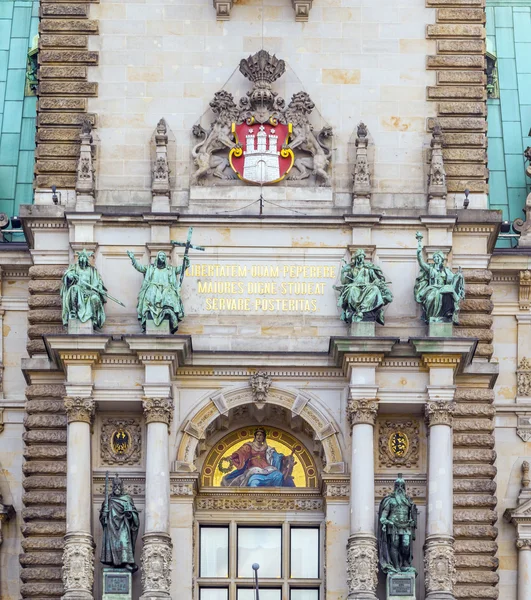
(260, 140)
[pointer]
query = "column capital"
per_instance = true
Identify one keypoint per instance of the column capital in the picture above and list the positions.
(362, 410)
(79, 409)
(158, 410)
(523, 544)
(439, 412)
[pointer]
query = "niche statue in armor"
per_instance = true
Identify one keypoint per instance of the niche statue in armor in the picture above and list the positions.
(397, 522)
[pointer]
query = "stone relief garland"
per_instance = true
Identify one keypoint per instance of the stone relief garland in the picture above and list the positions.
(114, 429)
(409, 428)
(362, 566)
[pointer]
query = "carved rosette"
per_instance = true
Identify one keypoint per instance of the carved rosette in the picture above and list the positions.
(440, 412)
(362, 566)
(362, 411)
(440, 574)
(158, 410)
(78, 566)
(523, 544)
(80, 409)
(156, 565)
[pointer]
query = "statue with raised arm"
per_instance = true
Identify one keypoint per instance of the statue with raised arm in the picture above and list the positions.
(83, 293)
(397, 522)
(120, 522)
(363, 292)
(438, 289)
(160, 294)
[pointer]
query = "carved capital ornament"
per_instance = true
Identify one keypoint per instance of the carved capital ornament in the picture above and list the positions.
(158, 410)
(362, 411)
(79, 409)
(439, 412)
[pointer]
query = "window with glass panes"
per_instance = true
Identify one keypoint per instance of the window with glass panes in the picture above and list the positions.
(289, 555)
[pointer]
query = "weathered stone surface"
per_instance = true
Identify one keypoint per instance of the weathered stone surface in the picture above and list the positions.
(43, 452)
(474, 485)
(435, 3)
(44, 421)
(453, 61)
(37, 331)
(474, 395)
(67, 119)
(477, 306)
(53, 165)
(475, 593)
(61, 181)
(45, 286)
(37, 302)
(477, 577)
(41, 467)
(476, 561)
(475, 531)
(75, 104)
(475, 516)
(484, 350)
(475, 320)
(57, 135)
(44, 497)
(475, 471)
(474, 455)
(460, 154)
(45, 272)
(44, 316)
(459, 30)
(40, 574)
(69, 72)
(47, 406)
(465, 139)
(43, 543)
(87, 57)
(61, 150)
(469, 92)
(474, 500)
(48, 513)
(475, 547)
(37, 482)
(50, 390)
(80, 88)
(482, 335)
(31, 528)
(477, 290)
(44, 436)
(478, 440)
(73, 25)
(473, 410)
(462, 108)
(473, 425)
(461, 14)
(64, 10)
(461, 77)
(35, 347)
(461, 46)
(41, 590)
(63, 41)
(41, 558)
(449, 124)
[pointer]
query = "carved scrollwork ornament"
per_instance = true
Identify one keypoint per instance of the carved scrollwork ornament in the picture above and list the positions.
(439, 412)
(79, 409)
(78, 566)
(156, 565)
(439, 568)
(523, 543)
(362, 566)
(362, 411)
(158, 410)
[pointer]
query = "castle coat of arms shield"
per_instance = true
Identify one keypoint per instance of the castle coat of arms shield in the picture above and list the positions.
(261, 155)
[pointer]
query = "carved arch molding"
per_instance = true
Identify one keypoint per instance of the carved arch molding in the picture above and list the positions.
(224, 406)
(301, 8)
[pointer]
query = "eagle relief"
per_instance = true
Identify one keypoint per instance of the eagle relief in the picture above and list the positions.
(261, 140)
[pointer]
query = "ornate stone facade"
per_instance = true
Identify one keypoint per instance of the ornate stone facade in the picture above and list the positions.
(439, 567)
(156, 565)
(78, 567)
(362, 411)
(362, 567)
(80, 409)
(439, 412)
(158, 410)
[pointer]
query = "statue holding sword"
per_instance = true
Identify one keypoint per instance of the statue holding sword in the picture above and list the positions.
(83, 293)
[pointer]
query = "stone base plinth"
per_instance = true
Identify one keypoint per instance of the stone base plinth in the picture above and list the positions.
(76, 327)
(162, 329)
(117, 584)
(440, 330)
(363, 329)
(156, 566)
(400, 586)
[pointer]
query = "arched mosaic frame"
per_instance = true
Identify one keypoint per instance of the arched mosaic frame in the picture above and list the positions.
(299, 403)
(304, 473)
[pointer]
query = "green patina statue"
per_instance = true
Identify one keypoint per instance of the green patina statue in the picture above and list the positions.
(363, 292)
(160, 294)
(83, 293)
(120, 522)
(397, 522)
(438, 289)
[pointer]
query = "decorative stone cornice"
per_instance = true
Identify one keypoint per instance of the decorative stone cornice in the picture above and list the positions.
(523, 544)
(79, 409)
(158, 410)
(79, 357)
(440, 361)
(439, 413)
(362, 411)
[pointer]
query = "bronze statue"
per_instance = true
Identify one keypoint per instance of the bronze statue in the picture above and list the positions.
(397, 522)
(120, 522)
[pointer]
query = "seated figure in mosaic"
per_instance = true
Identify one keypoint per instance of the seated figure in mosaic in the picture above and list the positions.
(160, 294)
(438, 289)
(83, 293)
(363, 292)
(259, 465)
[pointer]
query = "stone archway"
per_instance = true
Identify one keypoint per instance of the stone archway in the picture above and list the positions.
(224, 404)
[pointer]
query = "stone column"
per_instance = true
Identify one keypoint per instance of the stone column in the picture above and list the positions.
(362, 555)
(439, 561)
(524, 568)
(78, 554)
(157, 550)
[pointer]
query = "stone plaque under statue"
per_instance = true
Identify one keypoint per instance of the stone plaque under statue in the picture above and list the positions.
(117, 584)
(400, 586)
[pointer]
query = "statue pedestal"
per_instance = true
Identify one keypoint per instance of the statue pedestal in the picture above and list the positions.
(76, 327)
(400, 586)
(162, 329)
(441, 330)
(363, 329)
(117, 584)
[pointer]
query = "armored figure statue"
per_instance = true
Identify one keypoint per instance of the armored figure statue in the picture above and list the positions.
(363, 292)
(160, 294)
(397, 521)
(120, 522)
(83, 293)
(438, 288)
